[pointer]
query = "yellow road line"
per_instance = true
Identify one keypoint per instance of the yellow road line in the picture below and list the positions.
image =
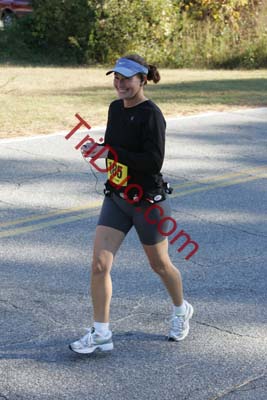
(92, 204)
(222, 184)
(35, 227)
(97, 203)
(220, 177)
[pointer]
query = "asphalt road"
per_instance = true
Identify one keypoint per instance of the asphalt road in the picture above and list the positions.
(49, 203)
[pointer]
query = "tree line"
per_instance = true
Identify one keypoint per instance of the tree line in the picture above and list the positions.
(171, 33)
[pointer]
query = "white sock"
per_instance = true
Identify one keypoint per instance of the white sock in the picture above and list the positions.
(101, 327)
(180, 310)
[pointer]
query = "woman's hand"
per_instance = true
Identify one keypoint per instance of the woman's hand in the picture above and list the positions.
(87, 146)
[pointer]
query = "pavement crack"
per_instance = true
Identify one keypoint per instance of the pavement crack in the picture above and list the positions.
(34, 178)
(42, 312)
(51, 319)
(226, 330)
(240, 387)
(9, 303)
(133, 313)
(207, 264)
(34, 338)
(226, 226)
(229, 260)
(128, 316)
(63, 164)
(257, 234)
(56, 161)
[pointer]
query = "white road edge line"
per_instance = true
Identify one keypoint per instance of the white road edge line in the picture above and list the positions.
(101, 129)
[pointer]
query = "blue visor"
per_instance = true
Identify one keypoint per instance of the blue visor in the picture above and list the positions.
(128, 68)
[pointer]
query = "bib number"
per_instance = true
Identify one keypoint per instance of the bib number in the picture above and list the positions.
(118, 173)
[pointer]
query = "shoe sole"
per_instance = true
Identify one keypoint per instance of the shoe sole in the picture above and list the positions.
(100, 347)
(174, 338)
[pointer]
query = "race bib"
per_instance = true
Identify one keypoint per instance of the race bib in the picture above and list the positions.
(118, 173)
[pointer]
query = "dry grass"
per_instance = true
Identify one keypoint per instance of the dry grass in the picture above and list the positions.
(44, 100)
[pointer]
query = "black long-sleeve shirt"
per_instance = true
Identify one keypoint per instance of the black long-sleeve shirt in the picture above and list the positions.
(137, 137)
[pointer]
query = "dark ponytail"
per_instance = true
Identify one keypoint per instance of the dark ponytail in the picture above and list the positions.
(153, 73)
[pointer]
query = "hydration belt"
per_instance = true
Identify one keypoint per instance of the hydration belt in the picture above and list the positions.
(151, 196)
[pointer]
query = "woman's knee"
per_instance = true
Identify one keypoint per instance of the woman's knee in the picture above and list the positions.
(101, 265)
(161, 266)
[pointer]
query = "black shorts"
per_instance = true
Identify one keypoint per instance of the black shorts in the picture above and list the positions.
(119, 214)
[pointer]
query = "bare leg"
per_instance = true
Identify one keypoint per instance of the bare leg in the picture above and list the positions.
(107, 242)
(160, 262)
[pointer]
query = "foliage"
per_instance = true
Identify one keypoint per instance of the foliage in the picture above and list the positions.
(174, 33)
(221, 12)
(63, 27)
(16, 42)
(146, 27)
(226, 34)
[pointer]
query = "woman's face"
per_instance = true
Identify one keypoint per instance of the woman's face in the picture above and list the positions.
(128, 88)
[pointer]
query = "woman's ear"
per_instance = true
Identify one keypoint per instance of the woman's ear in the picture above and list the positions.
(143, 81)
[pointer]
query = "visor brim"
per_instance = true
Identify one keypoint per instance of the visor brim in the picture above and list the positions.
(127, 73)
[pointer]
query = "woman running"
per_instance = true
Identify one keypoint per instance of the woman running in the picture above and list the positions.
(136, 134)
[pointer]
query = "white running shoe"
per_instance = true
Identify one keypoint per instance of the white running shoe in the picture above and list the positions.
(180, 324)
(92, 341)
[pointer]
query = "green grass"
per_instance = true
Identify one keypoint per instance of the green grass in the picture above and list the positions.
(44, 100)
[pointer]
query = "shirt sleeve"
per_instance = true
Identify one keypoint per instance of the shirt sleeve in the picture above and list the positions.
(150, 160)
